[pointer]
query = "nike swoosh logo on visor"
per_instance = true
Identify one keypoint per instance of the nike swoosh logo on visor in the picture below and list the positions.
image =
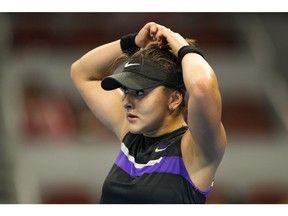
(132, 64)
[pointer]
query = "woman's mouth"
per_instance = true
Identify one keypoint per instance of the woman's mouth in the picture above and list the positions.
(131, 117)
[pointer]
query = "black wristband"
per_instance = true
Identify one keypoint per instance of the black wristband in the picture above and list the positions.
(128, 44)
(187, 49)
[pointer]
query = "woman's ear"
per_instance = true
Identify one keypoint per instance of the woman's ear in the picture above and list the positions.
(175, 100)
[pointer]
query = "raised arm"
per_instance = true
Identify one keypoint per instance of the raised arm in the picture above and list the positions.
(204, 108)
(87, 73)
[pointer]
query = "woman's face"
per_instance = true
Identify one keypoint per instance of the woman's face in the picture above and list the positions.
(146, 110)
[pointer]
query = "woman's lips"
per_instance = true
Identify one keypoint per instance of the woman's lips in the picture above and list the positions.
(131, 117)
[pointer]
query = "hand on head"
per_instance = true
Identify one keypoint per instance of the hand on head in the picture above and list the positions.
(162, 35)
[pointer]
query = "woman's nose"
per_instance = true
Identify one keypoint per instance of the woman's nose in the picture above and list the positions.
(128, 101)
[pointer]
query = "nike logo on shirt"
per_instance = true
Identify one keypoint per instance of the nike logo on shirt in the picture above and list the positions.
(160, 149)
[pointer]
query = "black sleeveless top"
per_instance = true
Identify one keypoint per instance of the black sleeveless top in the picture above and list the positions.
(151, 170)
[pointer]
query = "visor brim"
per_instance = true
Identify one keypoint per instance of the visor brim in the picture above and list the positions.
(129, 80)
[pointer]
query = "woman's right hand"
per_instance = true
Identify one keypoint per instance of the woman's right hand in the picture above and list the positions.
(146, 34)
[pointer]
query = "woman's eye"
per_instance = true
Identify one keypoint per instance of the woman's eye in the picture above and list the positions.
(133, 92)
(125, 90)
(140, 92)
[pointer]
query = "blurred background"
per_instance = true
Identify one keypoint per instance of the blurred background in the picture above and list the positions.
(53, 150)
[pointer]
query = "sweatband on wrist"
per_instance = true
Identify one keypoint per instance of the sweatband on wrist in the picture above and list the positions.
(187, 49)
(128, 44)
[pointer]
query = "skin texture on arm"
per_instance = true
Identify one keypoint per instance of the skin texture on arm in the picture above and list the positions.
(87, 73)
(208, 139)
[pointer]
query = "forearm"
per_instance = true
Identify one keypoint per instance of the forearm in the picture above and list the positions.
(198, 76)
(96, 64)
(196, 70)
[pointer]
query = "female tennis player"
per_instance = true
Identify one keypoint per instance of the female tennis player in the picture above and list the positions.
(157, 93)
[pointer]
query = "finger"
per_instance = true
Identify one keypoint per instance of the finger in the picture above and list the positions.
(152, 28)
(162, 30)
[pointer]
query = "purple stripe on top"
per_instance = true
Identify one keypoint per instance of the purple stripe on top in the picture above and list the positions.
(173, 165)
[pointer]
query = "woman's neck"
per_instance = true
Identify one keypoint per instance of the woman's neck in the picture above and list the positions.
(167, 127)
